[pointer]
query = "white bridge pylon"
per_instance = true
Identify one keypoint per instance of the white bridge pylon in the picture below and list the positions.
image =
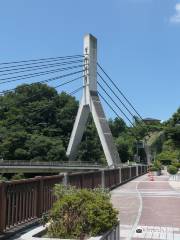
(90, 102)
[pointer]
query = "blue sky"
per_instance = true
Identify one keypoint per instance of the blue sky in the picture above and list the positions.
(138, 43)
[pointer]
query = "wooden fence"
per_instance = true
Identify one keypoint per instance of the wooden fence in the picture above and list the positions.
(22, 201)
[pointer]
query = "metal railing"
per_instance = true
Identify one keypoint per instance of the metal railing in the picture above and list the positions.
(50, 163)
(22, 201)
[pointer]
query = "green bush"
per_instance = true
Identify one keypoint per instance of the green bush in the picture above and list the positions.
(156, 166)
(172, 170)
(2, 178)
(154, 169)
(176, 164)
(18, 176)
(79, 213)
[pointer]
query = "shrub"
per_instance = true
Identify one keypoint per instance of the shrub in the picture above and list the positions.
(79, 213)
(2, 178)
(167, 155)
(154, 169)
(156, 166)
(176, 164)
(18, 176)
(172, 170)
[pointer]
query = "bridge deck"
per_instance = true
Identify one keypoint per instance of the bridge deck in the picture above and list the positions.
(152, 206)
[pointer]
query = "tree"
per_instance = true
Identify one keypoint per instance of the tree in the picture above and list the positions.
(117, 126)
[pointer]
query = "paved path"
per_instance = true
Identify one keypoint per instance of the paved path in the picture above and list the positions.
(153, 206)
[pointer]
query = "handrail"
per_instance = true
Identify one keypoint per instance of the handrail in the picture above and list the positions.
(61, 164)
(48, 163)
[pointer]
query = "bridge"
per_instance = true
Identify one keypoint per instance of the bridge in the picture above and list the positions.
(93, 91)
(26, 200)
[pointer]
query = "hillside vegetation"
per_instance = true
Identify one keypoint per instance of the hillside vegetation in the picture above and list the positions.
(170, 147)
(36, 122)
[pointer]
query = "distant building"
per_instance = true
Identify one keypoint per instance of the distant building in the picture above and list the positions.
(151, 121)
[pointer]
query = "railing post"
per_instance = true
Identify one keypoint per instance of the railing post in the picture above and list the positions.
(65, 179)
(40, 205)
(130, 172)
(137, 172)
(120, 180)
(2, 206)
(102, 179)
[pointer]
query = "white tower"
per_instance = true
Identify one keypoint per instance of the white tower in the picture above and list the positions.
(90, 102)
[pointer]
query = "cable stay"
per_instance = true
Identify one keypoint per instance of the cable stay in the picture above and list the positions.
(47, 80)
(116, 104)
(31, 68)
(130, 104)
(124, 105)
(42, 59)
(115, 112)
(122, 94)
(76, 91)
(22, 77)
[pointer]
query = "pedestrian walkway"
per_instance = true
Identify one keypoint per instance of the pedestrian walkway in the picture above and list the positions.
(152, 207)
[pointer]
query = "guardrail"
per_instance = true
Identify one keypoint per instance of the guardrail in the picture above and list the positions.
(22, 201)
(48, 163)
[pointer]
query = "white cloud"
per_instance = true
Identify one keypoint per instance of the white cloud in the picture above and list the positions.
(176, 17)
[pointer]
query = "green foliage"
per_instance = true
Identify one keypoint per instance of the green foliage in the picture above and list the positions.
(154, 169)
(172, 170)
(90, 148)
(117, 126)
(38, 127)
(2, 178)
(81, 213)
(18, 176)
(167, 155)
(176, 164)
(123, 149)
(156, 166)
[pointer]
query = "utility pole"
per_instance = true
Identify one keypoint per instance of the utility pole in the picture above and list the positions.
(90, 102)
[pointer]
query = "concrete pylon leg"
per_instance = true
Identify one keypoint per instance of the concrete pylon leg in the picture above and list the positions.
(78, 130)
(104, 131)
